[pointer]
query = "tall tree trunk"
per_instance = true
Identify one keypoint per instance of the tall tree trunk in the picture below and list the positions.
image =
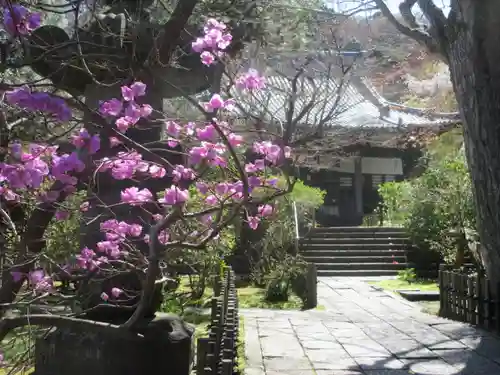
(474, 61)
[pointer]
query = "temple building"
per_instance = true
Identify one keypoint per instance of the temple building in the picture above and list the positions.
(347, 139)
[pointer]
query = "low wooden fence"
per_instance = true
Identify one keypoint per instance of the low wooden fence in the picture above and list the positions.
(469, 298)
(217, 353)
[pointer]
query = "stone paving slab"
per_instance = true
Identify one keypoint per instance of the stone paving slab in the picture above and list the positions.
(364, 331)
(380, 363)
(290, 372)
(286, 363)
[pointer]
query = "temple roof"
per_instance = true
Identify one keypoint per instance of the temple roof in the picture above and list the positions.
(348, 107)
(351, 102)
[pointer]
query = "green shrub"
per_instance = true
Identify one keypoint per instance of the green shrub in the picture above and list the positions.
(278, 260)
(63, 236)
(409, 275)
(396, 200)
(443, 208)
(277, 290)
(307, 196)
(437, 208)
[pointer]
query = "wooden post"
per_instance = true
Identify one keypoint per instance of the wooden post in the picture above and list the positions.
(497, 307)
(211, 359)
(311, 286)
(480, 299)
(471, 301)
(487, 298)
(213, 308)
(201, 355)
(358, 186)
(227, 367)
(455, 293)
(463, 297)
(443, 292)
(452, 295)
(217, 353)
(217, 286)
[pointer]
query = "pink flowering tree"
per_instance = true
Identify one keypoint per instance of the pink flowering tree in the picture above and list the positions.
(301, 96)
(209, 186)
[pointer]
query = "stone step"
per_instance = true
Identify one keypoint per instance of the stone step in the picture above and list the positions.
(352, 246)
(361, 253)
(356, 273)
(355, 259)
(361, 266)
(368, 240)
(319, 234)
(359, 229)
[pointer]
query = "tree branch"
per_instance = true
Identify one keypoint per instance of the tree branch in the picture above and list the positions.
(172, 30)
(420, 36)
(438, 23)
(9, 324)
(407, 14)
(153, 269)
(31, 243)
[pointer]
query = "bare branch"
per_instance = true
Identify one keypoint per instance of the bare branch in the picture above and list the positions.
(420, 36)
(407, 14)
(433, 14)
(173, 28)
(153, 269)
(31, 243)
(9, 324)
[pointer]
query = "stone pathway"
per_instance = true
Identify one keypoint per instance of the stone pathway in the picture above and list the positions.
(364, 331)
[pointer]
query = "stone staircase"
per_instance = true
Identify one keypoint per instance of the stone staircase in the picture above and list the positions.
(356, 251)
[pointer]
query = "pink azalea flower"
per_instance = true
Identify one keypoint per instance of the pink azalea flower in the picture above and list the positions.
(135, 230)
(265, 210)
(198, 45)
(251, 80)
(253, 222)
(129, 93)
(135, 197)
(17, 276)
(207, 58)
(62, 215)
(215, 102)
(174, 195)
(111, 107)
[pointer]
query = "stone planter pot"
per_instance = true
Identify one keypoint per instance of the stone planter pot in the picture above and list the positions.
(166, 348)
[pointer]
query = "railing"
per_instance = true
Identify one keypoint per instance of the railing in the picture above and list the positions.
(304, 219)
(217, 353)
(296, 221)
(469, 298)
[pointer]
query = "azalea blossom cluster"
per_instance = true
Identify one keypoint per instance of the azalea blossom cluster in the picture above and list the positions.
(43, 102)
(214, 41)
(37, 279)
(125, 165)
(28, 171)
(209, 145)
(126, 112)
(18, 20)
(250, 81)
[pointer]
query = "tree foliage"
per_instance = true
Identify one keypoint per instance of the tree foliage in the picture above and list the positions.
(437, 207)
(465, 38)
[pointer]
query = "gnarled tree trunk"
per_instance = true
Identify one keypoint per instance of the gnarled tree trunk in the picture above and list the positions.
(468, 40)
(473, 58)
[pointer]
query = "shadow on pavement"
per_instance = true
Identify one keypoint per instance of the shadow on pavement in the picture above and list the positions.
(468, 351)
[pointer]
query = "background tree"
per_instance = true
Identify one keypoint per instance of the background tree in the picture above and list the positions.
(126, 150)
(467, 40)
